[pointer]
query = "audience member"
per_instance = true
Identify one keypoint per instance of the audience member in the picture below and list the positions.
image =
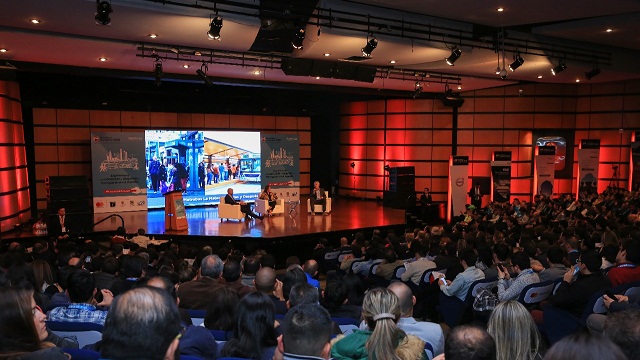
(196, 294)
(335, 301)
(510, 289)
(459, 287)
(310, 268)
(581, 346)
(384, 340)
(293, 276)
(133, 269)
(83, 308)
(623, 328)
(516, 335)
(556, 269)
(250, 267)
(231, 274)
(254, 334)
(386, 269)
(266, 283)
(626, 269)
(468, 342)
(221, 309)
(142, 324)
(416, 268)
(306, 334)
(141, 239)
(23, 332)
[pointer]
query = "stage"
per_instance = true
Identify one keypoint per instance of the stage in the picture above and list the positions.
(346, 215)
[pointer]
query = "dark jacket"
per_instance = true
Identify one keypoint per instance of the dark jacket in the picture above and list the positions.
(574, 297)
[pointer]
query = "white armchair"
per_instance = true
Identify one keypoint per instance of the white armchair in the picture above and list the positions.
(228, 211)
(318, 207)
(263, 205)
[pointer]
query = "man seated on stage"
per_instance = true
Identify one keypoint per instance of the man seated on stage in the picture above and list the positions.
(60, 228)
(318, 197)
(244, 207)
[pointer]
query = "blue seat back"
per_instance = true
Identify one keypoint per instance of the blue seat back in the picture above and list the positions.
(535, 293)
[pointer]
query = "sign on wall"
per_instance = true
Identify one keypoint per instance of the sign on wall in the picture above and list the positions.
(280, 154)
(118, 172)
(501, 176)
(545, 170)
(588, 164)
(458, 180)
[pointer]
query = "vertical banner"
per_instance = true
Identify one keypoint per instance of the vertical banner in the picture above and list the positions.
(501, 176)
(458, 179)
(281, 165)
(118, 171)
(635, 162)
(588, 162)
(545, 170)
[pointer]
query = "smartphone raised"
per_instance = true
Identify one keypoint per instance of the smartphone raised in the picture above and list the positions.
(576, 270)
(611, 295)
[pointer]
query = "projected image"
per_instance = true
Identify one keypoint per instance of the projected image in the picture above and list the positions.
(202, 165)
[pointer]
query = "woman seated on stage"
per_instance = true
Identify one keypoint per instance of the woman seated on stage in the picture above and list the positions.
(270, 196)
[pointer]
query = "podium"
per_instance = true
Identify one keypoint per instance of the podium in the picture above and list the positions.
(175, 216)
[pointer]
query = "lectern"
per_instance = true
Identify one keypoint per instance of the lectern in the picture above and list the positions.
(175, 217)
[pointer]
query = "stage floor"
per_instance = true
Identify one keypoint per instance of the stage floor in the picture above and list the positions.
(346, 214)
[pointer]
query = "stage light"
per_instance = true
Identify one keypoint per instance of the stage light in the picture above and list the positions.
(371, 45)
(558, 69)
(214, 28)
(103, 12)
(455, 55)
(516, 63)
(202, 74)
(157, 72)
(593, 73)
(503, 73)
(298, 39)
(417, 90)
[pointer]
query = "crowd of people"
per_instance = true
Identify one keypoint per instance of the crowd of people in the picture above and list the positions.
(254, 310)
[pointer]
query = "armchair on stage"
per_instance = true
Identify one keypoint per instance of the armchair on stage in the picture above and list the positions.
(263, 205)
(318, 207)
(228, 211)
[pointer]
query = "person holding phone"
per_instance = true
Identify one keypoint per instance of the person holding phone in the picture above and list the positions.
(459, 287)
(573, 293)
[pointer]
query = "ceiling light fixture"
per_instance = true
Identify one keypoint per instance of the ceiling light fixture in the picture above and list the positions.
(214, 28)
(589, 74)
(298, 39)
(103, 59)
(103, 12)
(392, 61)
(202, 74)
(500, 9)
(157, 72)
(455, 55)
(35, 21)
(3, 50)
(558, 69)
(609, 30)
(153, 36)
(417, 90)
(372, 44)
(517, 62)
(327, 54)
(539, 76)
(256, 72)
(186, 66)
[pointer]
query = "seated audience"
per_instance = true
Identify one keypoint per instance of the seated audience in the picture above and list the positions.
(623, 328)
(294, 275)
(509, 320)
(266, 283)
(556, 269)
(196, 294)
(626, 269)
(83, 308)
(221, 310)
(510, 289)
(388, 265)
(231, 278)
(468, 342)
(133, 269)
(250, 267)
(143, 323)
(582, 345)
(23, 332)
(573, 295)
(310, 268)
(305, 335)
(416, 268)
(335, 301)
(385, 340)
(459, 287)
(254, 334)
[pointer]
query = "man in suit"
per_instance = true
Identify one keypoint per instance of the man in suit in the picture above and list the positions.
(59, 226)
(244, 207)
(425, 204)
(476, 196)
(318, 197)
(195, 294)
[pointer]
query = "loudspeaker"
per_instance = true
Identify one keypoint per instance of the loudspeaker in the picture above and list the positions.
(328, 69)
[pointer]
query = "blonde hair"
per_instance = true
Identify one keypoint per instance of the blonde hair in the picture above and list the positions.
(514, 331)
(381, 312)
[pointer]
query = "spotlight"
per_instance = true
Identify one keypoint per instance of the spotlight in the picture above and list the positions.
(371, 45)
(516, 63)
(103, 11)
(202, 74)
(417, 91)
(298, 38)
(157, 72)
(503, 73)
(214, 28)
(558, 69)
(593, 73)
(455, 55)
